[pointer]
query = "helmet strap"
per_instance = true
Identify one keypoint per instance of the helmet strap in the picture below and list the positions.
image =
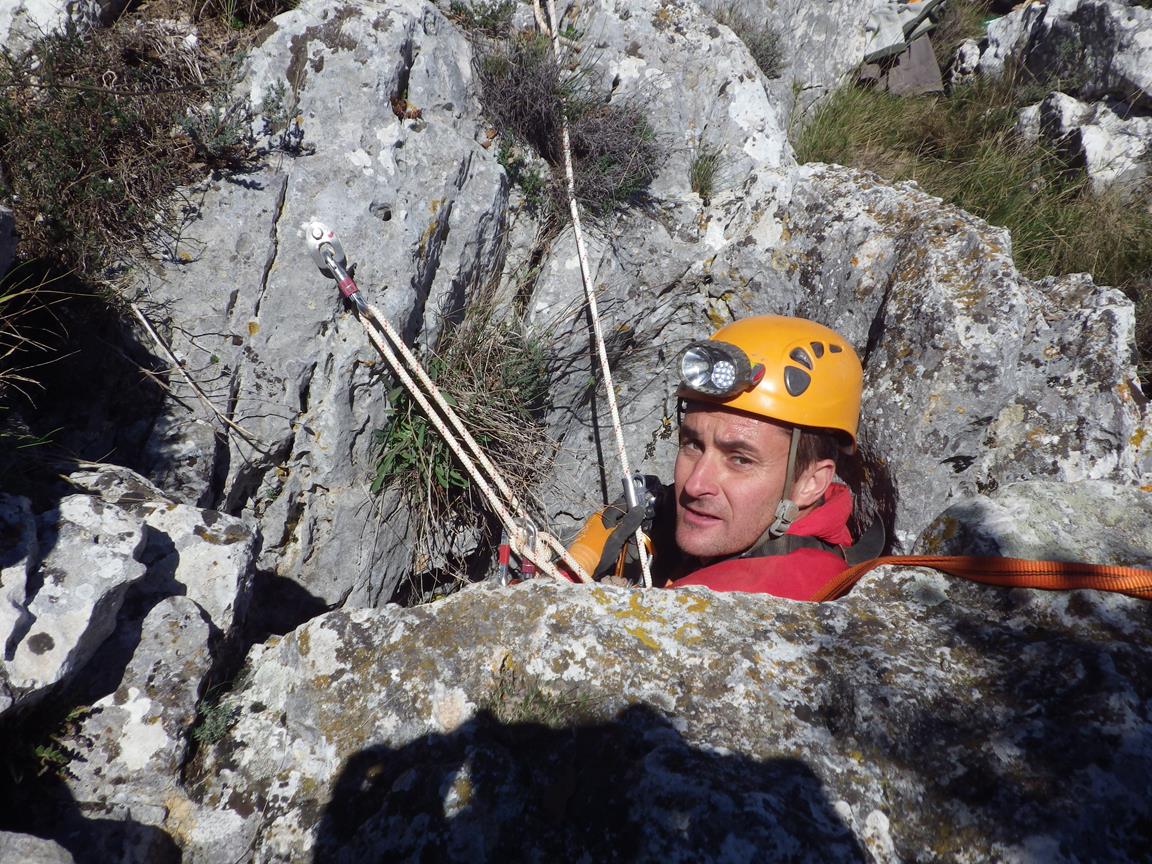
(786, 510)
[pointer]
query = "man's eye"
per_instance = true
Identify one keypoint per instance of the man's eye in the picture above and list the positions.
(741, 461)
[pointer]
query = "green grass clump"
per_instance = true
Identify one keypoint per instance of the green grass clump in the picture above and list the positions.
(527, 95)
(495, 375)
(704, 170)
(964, 148)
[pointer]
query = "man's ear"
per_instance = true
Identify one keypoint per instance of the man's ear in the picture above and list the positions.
(813, 482)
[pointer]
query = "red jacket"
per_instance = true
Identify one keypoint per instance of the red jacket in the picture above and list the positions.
(797, 575)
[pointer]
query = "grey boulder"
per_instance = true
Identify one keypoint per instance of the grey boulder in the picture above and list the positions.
(918, 714)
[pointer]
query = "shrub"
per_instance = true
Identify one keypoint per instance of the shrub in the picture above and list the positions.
(965, 149)
(87, 151)
(495, 375)
(491, 18)
(214, 719)
(87, 140)
(526, 96)
(764, 42)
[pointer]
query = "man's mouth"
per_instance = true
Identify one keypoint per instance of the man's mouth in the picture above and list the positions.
(698, 518)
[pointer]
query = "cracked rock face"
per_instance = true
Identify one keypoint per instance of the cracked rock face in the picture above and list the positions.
(418, 204)
(68, 588)
(121, 601)
(920, 716)
(135, 739)
(1090, 521)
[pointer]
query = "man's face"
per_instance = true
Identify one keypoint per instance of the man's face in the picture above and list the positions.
(729, 478)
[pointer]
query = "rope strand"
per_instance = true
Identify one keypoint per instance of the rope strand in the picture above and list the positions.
(593, 310)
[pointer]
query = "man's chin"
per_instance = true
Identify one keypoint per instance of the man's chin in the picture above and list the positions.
(699, 543)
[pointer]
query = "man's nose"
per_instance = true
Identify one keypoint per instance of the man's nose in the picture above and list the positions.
(701, 481)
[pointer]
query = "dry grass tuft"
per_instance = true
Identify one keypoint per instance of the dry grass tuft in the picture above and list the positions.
(526, 95)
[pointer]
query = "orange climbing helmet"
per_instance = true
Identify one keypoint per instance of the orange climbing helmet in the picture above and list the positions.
(787, 369)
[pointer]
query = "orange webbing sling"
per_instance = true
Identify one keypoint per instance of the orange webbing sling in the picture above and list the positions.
(1007, 572)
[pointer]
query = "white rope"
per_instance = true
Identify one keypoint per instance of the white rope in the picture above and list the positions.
(586, 276)
(374, 321)
(178, 365)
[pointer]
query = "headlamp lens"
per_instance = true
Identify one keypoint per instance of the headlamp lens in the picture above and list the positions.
(715, 368)
(696, 367)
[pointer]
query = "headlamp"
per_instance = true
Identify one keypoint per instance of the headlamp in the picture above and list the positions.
(717, 369)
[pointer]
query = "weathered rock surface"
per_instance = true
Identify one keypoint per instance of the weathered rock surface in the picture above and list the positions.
(88, 558)
(32, 850)
(1090, 521)
(919, 719)
(134, 740)
(124, 602)
(1109, 142)
(203, 555)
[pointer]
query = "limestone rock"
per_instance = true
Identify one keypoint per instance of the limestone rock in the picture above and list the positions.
(17, 565)
(1090, 521)
(22, 22)
(133, 741)
(917, 714)
(32, 850)
(1009, 37)
(1101, 47)
(1105, 138)
(89, 557)
(825, 43)
(418, 204)
(201, 554)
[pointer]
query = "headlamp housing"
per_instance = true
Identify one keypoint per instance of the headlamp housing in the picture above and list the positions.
(717, 369)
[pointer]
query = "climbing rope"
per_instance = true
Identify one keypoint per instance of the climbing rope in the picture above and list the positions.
(528, 541)
(1007, 572)
(593, 310)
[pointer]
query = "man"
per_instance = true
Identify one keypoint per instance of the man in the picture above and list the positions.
(767, 404)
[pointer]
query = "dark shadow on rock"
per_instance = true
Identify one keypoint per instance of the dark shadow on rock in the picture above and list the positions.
(278, 606)
(1028, 734)
(628, 789)
(869, 476)
(51, 813)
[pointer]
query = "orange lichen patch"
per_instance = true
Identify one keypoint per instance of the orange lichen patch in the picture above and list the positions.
(253, 328)
(685, 636)
(1138, 436)
(639, 612)
(642, 634)
(694, 602)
